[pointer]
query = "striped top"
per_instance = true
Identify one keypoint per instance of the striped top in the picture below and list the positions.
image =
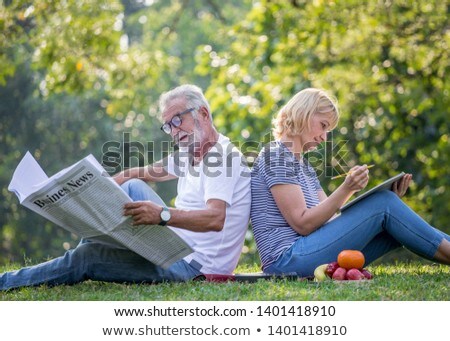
(276, 164)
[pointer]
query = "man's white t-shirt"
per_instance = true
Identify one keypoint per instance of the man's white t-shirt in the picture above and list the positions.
(222, 174)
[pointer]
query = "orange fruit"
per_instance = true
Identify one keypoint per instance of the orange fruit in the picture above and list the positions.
(351, 259)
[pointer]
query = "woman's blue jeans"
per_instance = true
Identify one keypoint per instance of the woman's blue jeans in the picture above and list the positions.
(376, 225)
(96, 261)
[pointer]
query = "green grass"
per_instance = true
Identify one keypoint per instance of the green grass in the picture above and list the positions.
(399, 282)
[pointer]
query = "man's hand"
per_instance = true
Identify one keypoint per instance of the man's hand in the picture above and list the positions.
(151, 173)
(119, 178)
(143, 212)
(401, 186)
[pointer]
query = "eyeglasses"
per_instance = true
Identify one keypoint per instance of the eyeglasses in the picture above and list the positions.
(175, 121)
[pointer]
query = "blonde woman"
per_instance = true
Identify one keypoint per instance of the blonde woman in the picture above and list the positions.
(291, 214)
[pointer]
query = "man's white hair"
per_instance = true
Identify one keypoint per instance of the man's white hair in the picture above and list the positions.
(192, 93)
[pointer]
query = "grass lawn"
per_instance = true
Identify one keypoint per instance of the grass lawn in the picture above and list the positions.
(399, 282)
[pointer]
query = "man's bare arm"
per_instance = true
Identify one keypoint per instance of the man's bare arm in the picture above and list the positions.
(151, 173)
(211, 218)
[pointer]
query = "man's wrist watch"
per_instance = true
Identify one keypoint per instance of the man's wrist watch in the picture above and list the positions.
(165, 216)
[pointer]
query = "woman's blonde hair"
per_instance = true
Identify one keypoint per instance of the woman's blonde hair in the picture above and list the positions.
(296, 115)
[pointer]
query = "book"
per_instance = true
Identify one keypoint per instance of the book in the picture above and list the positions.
(86, 201)
(251, 277)
(386, 185)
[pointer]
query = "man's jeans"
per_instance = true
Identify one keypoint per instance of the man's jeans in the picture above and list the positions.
(376, 225)
(96, 261)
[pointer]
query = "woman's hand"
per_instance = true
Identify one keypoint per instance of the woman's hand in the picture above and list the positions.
(401, 186)
(357, 178)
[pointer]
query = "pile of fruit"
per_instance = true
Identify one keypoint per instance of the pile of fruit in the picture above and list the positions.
(349, 266)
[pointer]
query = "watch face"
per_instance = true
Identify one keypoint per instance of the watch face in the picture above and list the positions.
(165, 215)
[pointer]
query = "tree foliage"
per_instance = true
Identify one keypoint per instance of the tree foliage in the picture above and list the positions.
(77, 74)
(385, 62)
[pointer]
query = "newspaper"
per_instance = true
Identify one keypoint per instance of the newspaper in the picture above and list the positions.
(86, 201)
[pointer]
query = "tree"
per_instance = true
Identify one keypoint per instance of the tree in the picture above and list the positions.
(78, 75)
(384, 61)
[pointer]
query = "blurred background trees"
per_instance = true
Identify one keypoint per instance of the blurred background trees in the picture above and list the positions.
(77, 74)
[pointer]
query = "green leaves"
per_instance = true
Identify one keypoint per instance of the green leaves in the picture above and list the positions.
(385, 62)
(91, 70)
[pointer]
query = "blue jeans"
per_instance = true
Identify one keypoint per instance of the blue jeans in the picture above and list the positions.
(376, 225)
(96, 261)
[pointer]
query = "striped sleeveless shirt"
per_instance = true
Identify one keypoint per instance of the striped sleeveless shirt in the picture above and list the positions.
(276, 164)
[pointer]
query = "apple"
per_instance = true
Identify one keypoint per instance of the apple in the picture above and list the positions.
(331, 268)
(355, 275)
(339, 274)
(366, 274)
(319, 273)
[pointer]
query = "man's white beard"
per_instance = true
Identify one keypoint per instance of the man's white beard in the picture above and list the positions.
(192, 144)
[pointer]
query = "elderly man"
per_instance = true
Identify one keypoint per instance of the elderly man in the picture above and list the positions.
(211, 210)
